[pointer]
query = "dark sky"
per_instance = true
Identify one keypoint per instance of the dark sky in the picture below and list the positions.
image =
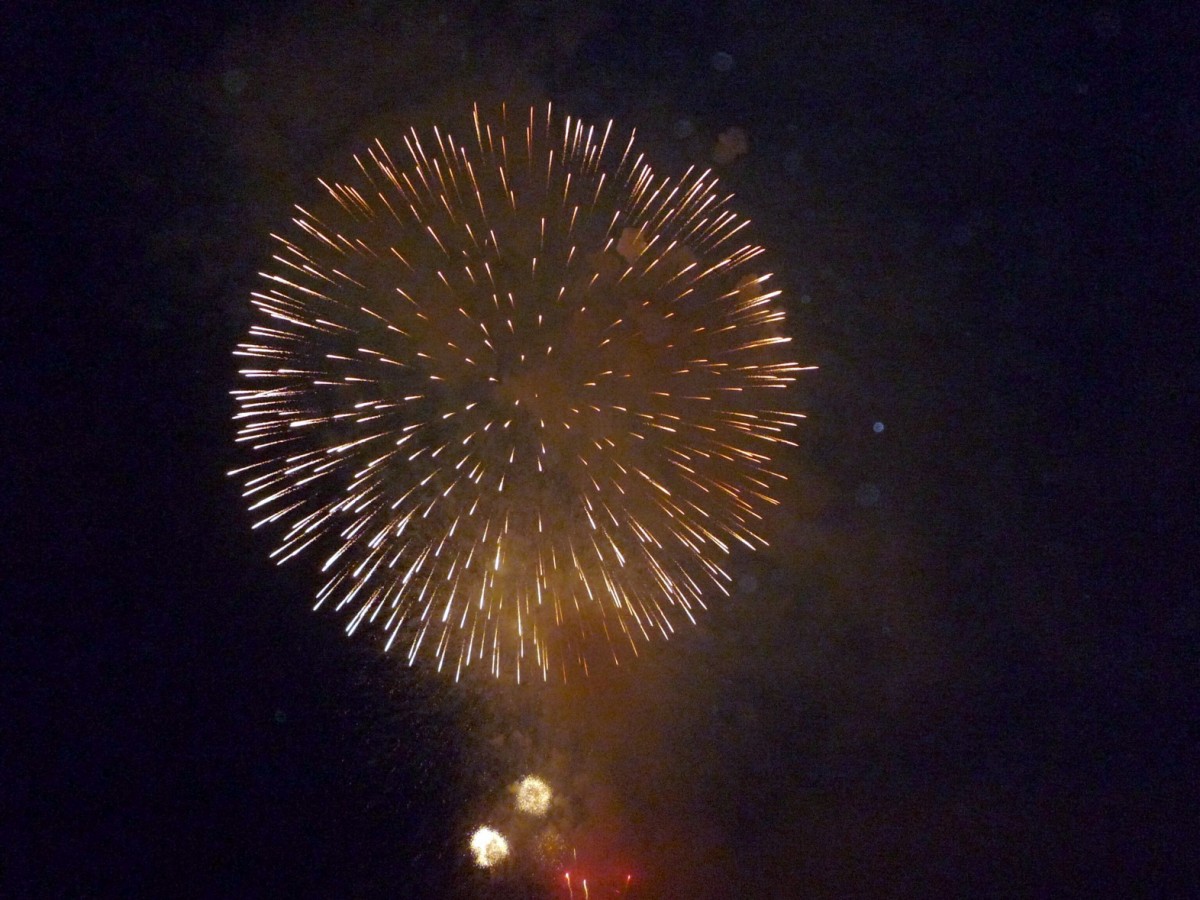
(967, 666)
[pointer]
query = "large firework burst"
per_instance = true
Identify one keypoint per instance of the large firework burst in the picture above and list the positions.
(521, 394)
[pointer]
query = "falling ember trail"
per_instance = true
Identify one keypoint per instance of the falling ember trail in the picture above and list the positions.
(519, 395)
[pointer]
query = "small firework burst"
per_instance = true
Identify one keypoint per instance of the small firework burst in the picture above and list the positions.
(533, 796)
(489, 847)
(520, 395)
(550, 848)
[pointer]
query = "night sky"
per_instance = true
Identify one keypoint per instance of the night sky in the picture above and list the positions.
(968, 664)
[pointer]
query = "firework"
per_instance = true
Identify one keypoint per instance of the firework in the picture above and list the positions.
(577, 887)
(489, 847)
(533, 796)
(519, 394)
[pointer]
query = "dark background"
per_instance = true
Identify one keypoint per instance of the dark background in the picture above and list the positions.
(967, 668)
